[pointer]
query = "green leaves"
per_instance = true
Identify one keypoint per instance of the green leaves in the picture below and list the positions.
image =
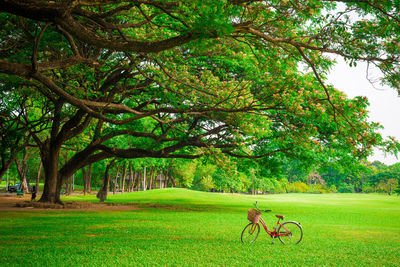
(236, 77)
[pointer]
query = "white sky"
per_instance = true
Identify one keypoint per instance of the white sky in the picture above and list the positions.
(384, 102)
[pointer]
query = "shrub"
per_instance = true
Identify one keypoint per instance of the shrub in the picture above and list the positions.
(282, 186)
(397, 191)
(265, 184)
(318, 189)
(297, 187)
(368, 188)
(332, 189)
(346, 188)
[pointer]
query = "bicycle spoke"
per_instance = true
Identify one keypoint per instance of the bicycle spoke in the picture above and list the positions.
(290, 233)
(250, 233)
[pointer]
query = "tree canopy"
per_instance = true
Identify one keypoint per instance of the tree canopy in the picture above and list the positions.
(183, 79)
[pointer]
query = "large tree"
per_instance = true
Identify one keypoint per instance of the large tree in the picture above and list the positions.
(185, 78)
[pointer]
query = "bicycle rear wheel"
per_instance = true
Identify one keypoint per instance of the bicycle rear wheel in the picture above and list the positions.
(250, 233)
(290, 233)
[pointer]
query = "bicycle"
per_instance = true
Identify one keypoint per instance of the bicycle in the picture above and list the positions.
(289, 232)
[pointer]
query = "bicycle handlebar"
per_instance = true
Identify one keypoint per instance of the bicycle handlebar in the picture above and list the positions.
(255, 204)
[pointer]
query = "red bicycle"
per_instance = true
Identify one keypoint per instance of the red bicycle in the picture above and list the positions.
(288, 232)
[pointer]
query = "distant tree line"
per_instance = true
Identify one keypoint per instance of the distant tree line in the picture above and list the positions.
(291, 176)
(215, 173)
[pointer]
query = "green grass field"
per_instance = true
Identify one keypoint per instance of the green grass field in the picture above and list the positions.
(197, 228)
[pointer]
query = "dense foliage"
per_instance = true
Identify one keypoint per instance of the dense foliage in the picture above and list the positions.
(98, 80)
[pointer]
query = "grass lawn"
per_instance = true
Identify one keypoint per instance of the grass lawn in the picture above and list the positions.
(197, 228)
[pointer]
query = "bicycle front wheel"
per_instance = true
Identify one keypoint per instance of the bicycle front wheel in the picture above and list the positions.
(250, 233)
(290, 233)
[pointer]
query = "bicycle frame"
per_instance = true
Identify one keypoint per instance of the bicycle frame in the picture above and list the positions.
(274, 233)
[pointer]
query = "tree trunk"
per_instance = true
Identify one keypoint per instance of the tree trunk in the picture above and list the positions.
(159, 179)
(138, 178)
(5, 166)
(67, 187)
(50, 151)
(50, 193)
(84, 180)
(68, 180)
(53, 181)
(71, 184)
(124, 177)
(120, 179)
(154, 185)
(173, 183)
(13, 154)
(151, 177)
(166, 180)
(144, 179)
(130, 181)
(136, 181)
(116, 180)
(134, 177)
(102, 194)
(89, 178)
(72, 179)
(38, 177)
(21, 167)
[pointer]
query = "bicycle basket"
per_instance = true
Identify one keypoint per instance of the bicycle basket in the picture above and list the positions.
(253, 215)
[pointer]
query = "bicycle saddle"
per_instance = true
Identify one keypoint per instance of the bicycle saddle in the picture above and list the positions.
(280, 216)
